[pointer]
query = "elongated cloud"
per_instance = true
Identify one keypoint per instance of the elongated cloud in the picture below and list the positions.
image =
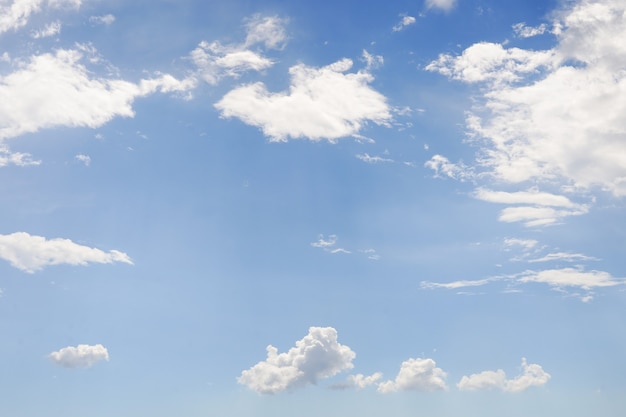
(316, 356)
(322, 103)
(416, 375)
(31, 253)
(445, 5)
(532, 375)
(81, 356)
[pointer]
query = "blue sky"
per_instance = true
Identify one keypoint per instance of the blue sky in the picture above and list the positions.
(312, 208)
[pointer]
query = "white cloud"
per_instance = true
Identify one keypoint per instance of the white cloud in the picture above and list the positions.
(52, 90)
(81, 356)
(406, 21)
(31, 253)
(444, 168)
(7, 157)
(523, 31)
(372, 61)
(266, 30)
(358, 381)
(106, 19)
(571, 277)
(532, 375)
(445, 5)
(525, 243)
(328, 244)
(16, 14)
(322, 103)
(456, 284)
(555, 114)
(85, 159)
(372, 159)
(416, 375)
(563, 256)
(541, 210)
(316, 356)
(51, 29)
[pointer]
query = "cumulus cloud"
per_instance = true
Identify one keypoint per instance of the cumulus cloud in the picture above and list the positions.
(15, 14)
(416, 375)
(322, 103)
(554, 114)
(57, 89)
(404, 22)
(532, 375)
(358, 381)
(445, 5)
(81, 356)
(316, 356)
(31, 253)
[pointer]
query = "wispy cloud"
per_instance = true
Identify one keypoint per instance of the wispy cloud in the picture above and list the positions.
(404, 23)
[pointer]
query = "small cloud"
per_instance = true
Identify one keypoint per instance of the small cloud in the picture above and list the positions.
(328, 244)
(444, 168)
(316, 356)
(372, 61)
(532, 375)
(404, 22)
(416, 375)
(564, 256)
(445, 5)
(523, 31)
(358, 381)
(524, 243)
(81, 356)
(52, 29)
(85, 159)
(372, 159)
(102, 20)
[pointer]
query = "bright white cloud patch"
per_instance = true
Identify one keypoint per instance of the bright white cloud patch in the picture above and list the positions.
(322, 103)
(359, 381)
(316, 356)
(532, 375)
(52, 29)
(15, 14)
(446, 5)
(266, 30)
(406, 21)
(416, 375)
(81, 356)
(31, 253)
(556, 113)
(571, 277)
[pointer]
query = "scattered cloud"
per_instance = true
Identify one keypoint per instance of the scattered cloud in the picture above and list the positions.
(563, 256)
(524, 243)
(7, 157)
(322, 103)
(444, 168)
(81, 356)
(416, 375)
(457, 284)
(523, 31)
(372, 61)
(85, 159)
(372, 159)
(14, 15)
(316, 356)
(404, 22)
(106, 19)
(554, 114)
(445, 5)
(532, 375)
(328, 244)
(536, 208)
(31, 253)
(51, 29)
(571, 277)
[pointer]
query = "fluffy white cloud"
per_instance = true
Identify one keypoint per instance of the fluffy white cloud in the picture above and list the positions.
(406, 21)
(557, 113)
(31, 253)
(524, 31)
(446, 5)
(56, 89)
(7, 157)
(416, 375)
(316, 356)
(444, 168)
(266, 30)
(81, 356)
(532, 375)
(322, 103)
(15, 14)
(51, 29)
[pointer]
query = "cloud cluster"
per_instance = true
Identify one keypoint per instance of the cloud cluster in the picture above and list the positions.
(316, 356)
(31, 253)
(15, 14)
(532, 375)
(216, 61)
(81, 356)
(556, 113)
(322, 103)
